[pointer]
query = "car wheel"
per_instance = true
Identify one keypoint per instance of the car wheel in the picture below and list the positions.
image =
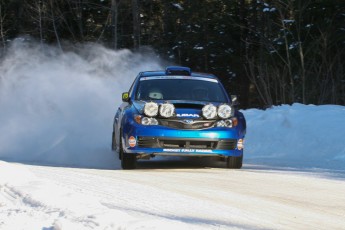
(234, 162)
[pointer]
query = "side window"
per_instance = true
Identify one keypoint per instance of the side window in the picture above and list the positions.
(132, 86)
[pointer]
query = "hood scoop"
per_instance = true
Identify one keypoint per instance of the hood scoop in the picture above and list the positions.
(188, 105)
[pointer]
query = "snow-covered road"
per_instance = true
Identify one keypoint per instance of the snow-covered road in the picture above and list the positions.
(170, 194)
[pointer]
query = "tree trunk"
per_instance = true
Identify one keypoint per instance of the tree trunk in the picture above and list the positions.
(136, 24)
(54, 24)
(114, 18)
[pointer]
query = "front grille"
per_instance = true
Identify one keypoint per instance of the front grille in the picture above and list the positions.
(228, 144)
(148, 142)
(187, 123)
(153, 142)
(188, 144)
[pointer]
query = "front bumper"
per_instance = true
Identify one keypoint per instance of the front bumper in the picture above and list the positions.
(159, 140)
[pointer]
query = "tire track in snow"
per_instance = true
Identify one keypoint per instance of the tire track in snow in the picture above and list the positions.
(14, 202)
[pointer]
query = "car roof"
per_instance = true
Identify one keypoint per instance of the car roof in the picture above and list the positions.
(176, 71)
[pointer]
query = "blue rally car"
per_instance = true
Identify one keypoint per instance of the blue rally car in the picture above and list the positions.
(178, 112)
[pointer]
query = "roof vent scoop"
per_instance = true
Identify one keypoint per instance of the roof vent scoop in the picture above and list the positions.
(178, 70)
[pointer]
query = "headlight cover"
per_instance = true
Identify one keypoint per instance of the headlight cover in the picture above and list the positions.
(225, 111)
(151, 109)
(149, 121)
(209, 111)
(167, 110)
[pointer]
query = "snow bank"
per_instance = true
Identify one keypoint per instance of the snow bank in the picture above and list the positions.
(302, 136)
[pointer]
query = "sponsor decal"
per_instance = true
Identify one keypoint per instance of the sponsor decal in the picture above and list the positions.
(132, 141)
(188, 150)
(187, 115)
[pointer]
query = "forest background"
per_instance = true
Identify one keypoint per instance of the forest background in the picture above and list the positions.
(268, 52)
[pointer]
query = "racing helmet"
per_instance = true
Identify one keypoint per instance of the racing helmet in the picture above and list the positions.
(155, 94)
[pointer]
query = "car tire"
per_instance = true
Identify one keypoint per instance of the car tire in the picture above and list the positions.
(113, 145)
(234, 162)
(129, 161)
(120, 147)
(113, 142)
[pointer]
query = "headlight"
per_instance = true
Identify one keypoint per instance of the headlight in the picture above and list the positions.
(225, 111)
(149, 121)
(221, 123)
(224, 123)
(209, 111)
(167, 110)
(151, 109)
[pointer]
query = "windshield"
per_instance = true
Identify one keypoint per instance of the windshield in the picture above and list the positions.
(180, 89)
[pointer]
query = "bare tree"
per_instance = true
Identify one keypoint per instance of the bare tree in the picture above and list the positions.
(278, 69)
(79, 14)
(114, 21)
(36, 13)
(286, 16)
(2, 27)
(54, 19)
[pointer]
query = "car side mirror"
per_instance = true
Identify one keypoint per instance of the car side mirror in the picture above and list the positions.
(234, 100)
(125, 97)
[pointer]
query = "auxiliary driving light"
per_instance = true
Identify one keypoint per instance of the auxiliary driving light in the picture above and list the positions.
(167, 110)
(225, 111)
(209, 111)
(151, 109)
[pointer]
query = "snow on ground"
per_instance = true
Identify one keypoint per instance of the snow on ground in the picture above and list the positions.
(57, 170)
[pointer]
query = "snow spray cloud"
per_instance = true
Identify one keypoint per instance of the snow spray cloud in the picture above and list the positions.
(58, 108)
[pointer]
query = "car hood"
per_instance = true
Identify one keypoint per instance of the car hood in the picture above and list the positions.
(183, 109)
